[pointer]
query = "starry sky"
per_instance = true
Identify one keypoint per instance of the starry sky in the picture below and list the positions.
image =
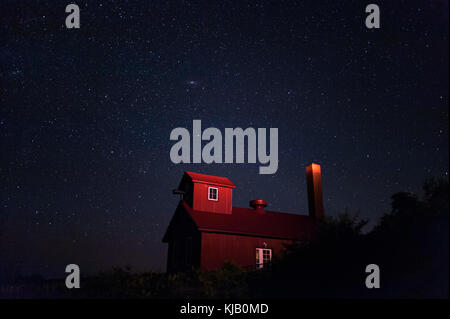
(85, 115)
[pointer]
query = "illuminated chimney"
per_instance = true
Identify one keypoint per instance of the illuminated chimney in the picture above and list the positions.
(314, 183)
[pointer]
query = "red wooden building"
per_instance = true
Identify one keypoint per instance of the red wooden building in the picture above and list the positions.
(206, 230)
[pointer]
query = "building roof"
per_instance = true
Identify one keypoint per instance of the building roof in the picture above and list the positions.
(250, 222)
(210, 179)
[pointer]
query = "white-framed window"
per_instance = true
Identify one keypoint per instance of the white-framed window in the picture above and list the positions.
(213, 193)
(263, 257)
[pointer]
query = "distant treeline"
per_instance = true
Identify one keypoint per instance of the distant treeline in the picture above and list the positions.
(409, 244)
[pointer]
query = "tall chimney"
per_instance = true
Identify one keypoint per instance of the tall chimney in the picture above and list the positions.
(314, 183)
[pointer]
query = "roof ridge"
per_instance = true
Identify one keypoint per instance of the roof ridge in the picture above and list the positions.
(271, 211)
(210, 179)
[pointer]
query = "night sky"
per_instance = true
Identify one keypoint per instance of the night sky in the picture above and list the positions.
(85, 119)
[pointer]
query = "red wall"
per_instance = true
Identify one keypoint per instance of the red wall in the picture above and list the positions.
(202, 203)
(217, 248)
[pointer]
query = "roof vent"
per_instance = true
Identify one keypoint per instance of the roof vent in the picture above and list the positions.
(258, 204)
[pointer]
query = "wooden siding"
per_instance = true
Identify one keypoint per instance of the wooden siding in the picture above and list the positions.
(217, 248)
(202, 203)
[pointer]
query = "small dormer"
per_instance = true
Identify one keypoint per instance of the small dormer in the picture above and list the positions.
(207, 193)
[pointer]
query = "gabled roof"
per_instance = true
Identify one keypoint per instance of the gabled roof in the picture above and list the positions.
(210, 179)
(248, 221)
